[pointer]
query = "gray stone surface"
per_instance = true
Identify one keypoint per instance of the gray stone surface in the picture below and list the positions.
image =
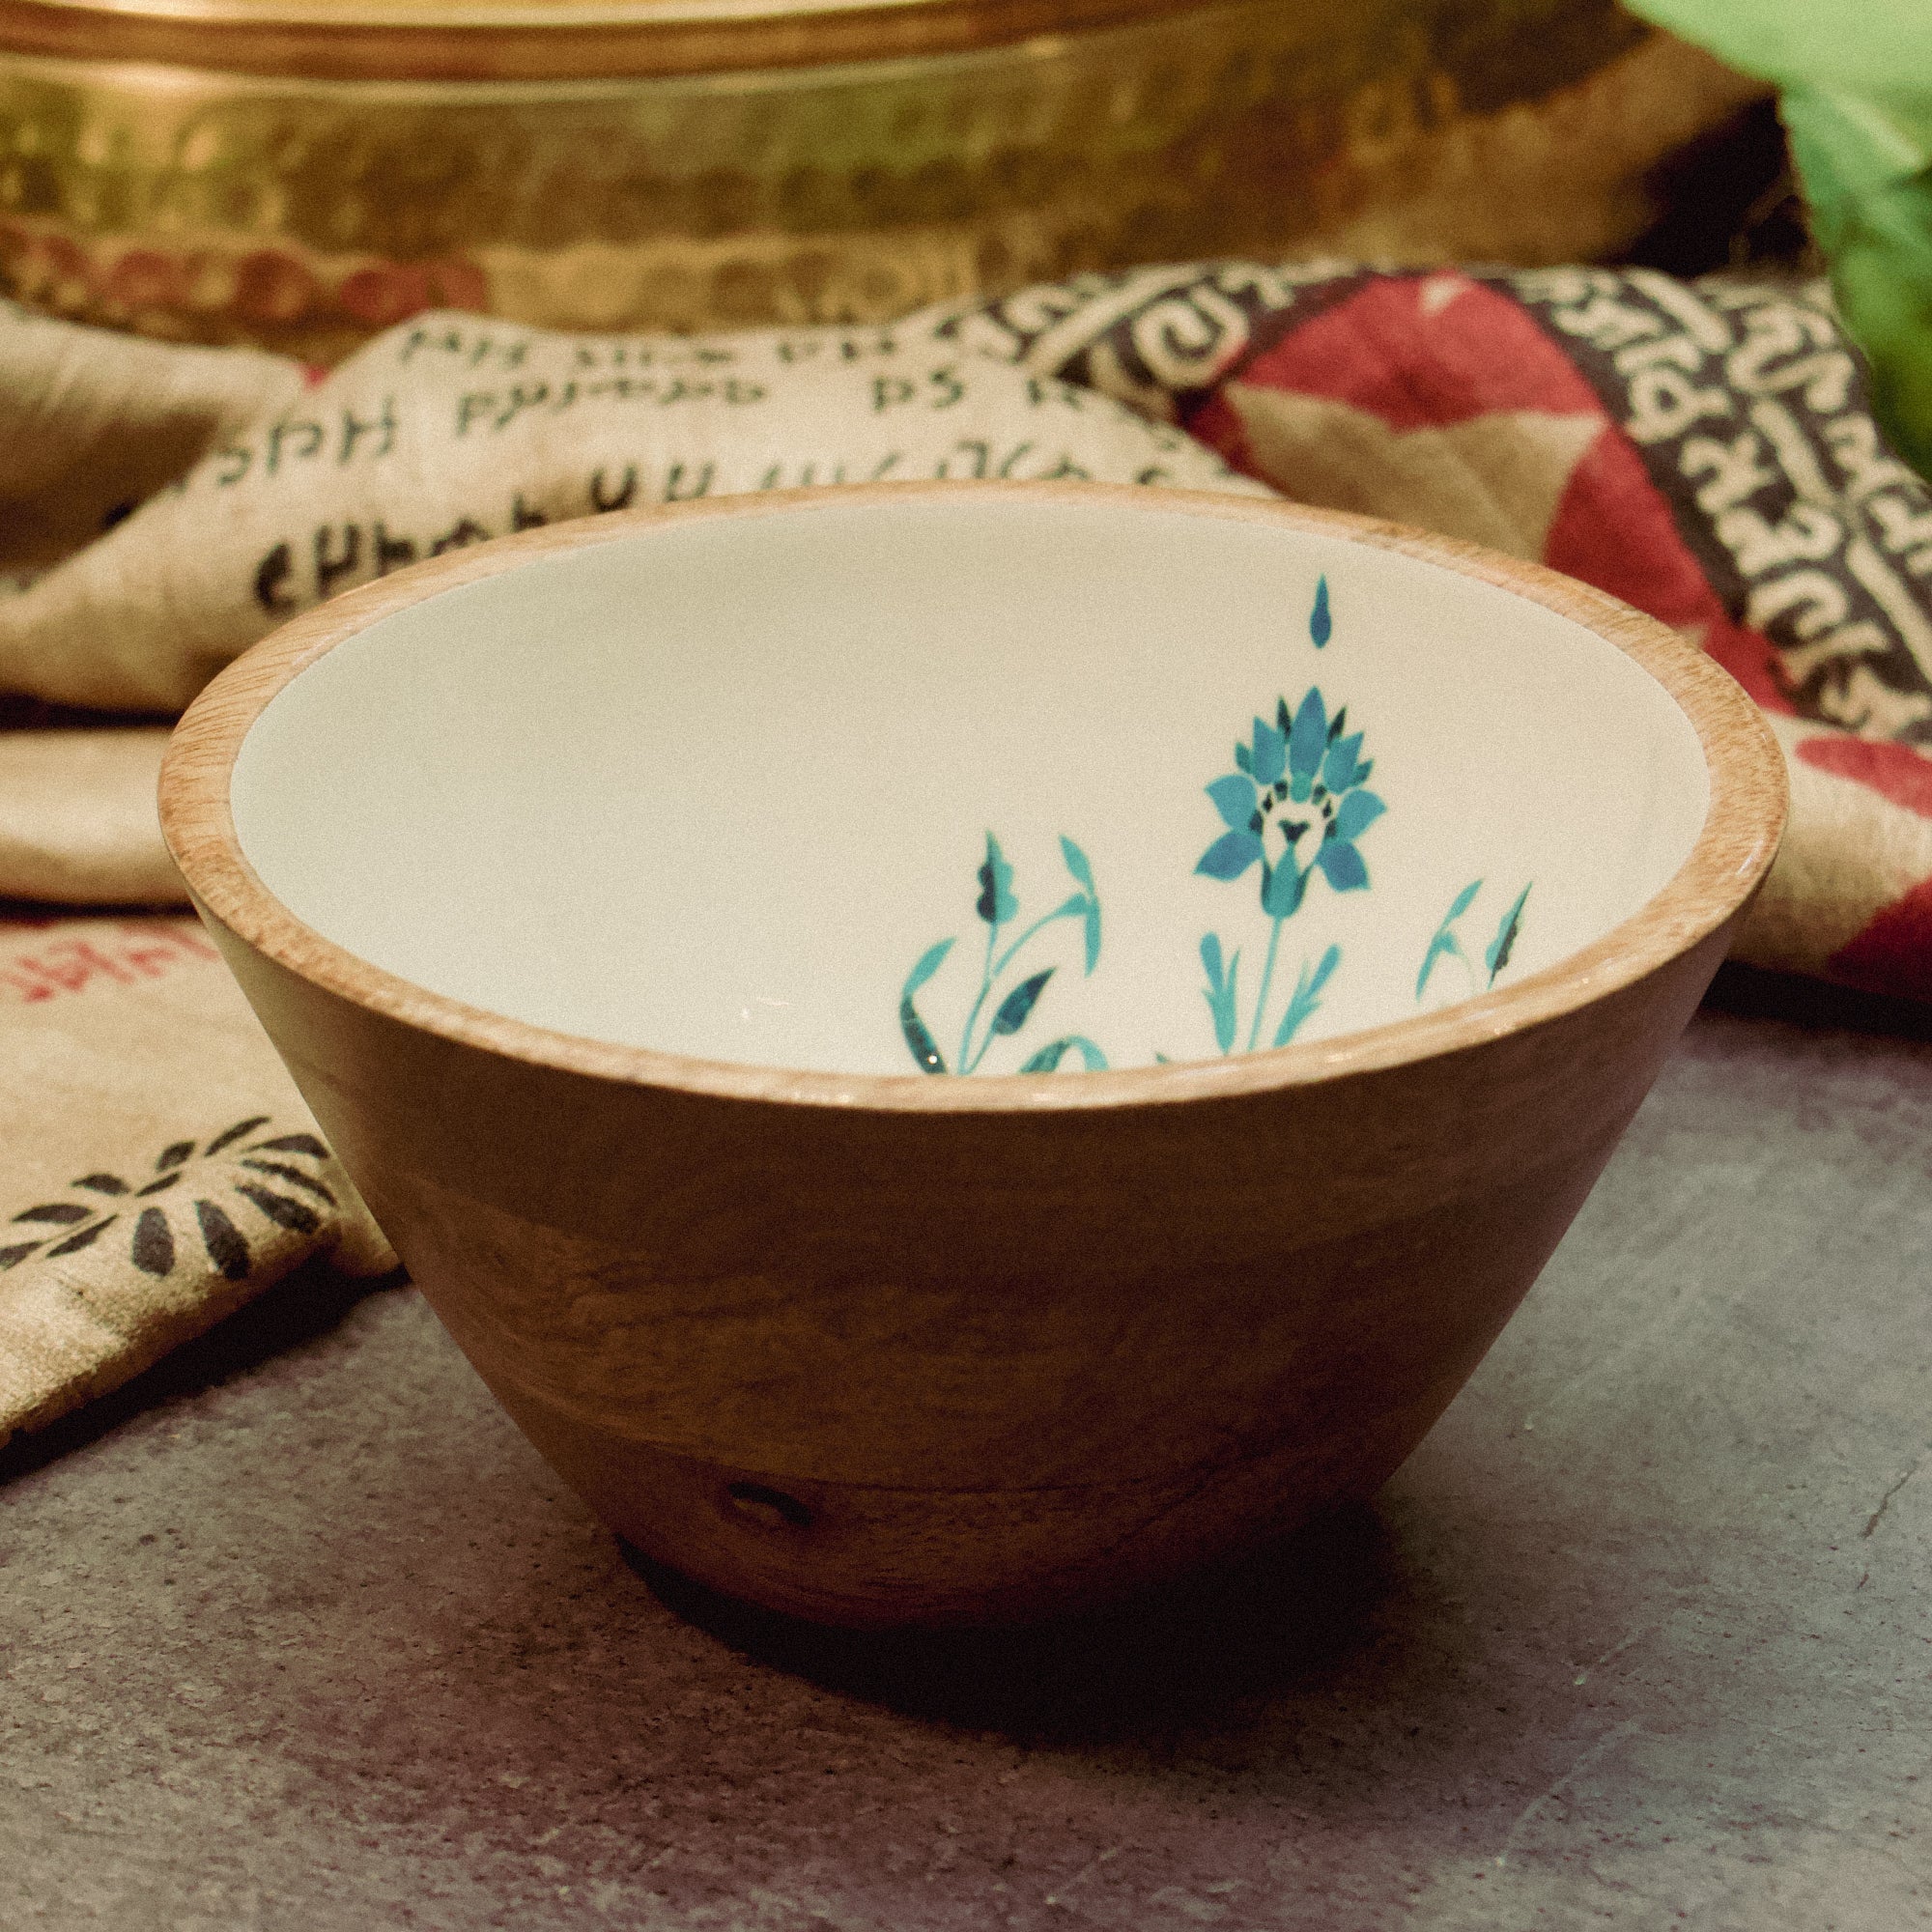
(299, 1633)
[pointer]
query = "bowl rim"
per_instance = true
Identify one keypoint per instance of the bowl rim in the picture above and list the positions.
(522, 42)
(1733, 851)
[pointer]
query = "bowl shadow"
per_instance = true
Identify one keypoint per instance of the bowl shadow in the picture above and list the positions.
(304, 1306)
(1172, 1655)
(1756, 992)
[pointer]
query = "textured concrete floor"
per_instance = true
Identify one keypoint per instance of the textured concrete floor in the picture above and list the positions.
(300, 1634)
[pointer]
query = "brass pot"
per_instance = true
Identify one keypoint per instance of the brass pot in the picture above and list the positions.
(299, 174)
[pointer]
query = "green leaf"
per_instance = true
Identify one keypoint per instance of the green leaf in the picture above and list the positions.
(930, 963)
(1444, 943)
(1871, 212)
(925, 1048)
(1443, 946)
(1076, 863)
(1220, 993)
(1497, 956)
(1047, 1059)
(1878, 47)
(1857, 83)
(1330, 959)
(996, 903)
(1210, 960)
(1019, 1003)
(1307, 995)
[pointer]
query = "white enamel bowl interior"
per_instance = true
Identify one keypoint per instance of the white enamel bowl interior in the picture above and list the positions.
(720, 785)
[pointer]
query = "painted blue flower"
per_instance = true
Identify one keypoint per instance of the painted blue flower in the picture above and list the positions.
(1302, 774)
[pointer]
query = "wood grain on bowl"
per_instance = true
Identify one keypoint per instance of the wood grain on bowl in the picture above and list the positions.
(889, 1348)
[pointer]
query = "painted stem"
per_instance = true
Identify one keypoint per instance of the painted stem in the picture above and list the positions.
(994, 968)
(1267, 977)
(985, 988)
(1006, 958)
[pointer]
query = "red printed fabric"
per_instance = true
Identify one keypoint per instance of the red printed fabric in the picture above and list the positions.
(1704, 451)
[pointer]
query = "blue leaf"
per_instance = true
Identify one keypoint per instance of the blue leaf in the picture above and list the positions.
(1307, 741)
(1338, 768)
(1444, 943)
(996, 903)
(1049, 1056)
(1092, 929)
(1320, 624)
(1497, 957)
(1244, 758)
(1076, 862)
(1019, 1003)
(1210, 959)
(1222, 1012)
(1358, 811)
(1270, 753)
(1282, 892)
(1441, 946)
(1342, 865)
(1220, 994)
(1229, 856)
(930, 963)
(1307, 995)
(1234, 799)
(925, 1048)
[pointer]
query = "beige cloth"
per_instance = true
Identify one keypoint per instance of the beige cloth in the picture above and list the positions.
(452, 429)
(134, 1065)
(77, 817)
(160, 1168)
(92, 424)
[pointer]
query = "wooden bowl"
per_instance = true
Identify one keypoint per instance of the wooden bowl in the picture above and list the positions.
(628, 899)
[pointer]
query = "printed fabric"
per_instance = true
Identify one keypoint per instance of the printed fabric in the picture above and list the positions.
(1703, 450)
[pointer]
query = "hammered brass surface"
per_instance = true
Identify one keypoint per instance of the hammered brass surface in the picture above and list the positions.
(304, 214)
(535, 39)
